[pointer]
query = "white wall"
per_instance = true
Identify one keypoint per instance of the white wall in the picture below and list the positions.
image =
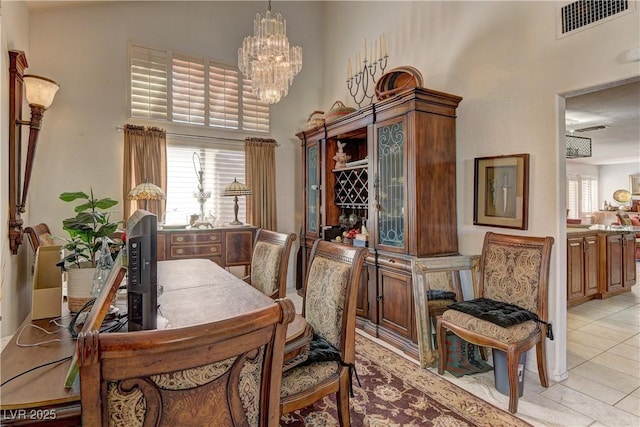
(615, 177)
(503, 58)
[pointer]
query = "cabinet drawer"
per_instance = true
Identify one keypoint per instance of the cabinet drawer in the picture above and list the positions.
(386, 261)
(200, 237)
(191, 251)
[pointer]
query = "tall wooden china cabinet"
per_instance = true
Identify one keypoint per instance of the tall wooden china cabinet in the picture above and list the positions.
(400, 181)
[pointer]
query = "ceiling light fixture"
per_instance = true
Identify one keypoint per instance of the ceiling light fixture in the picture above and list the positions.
(592, 128)
(578, 146)
(267, 60)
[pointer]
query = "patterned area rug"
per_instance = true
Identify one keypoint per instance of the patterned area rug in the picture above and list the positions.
(397, 393)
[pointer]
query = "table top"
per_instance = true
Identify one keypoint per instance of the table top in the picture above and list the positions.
(194, 291)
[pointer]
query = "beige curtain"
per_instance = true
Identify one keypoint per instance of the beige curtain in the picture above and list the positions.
(260, 155)
(145, 160)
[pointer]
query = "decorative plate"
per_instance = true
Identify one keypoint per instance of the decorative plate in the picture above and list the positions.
(622, 196)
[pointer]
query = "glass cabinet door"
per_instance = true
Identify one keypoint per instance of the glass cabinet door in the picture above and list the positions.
(313, 188)
(390, 147)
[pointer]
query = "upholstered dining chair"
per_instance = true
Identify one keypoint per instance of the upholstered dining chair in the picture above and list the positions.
(514, 274)
(224, 373)
(39, 235)
(437, 283)
(270, 261)
(330, 308)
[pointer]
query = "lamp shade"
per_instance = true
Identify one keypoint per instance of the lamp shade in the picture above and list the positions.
(40, 90)
(236, 189)
(146, 191)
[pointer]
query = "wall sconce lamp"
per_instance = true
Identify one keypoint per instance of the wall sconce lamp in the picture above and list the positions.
(39, 93)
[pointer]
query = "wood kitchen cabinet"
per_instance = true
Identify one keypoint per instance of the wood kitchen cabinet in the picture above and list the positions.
(617, 255)
(227, 246)
(600, 263)
(401, 181)
(582, 267)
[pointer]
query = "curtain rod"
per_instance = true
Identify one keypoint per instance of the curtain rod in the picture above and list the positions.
(186, 135)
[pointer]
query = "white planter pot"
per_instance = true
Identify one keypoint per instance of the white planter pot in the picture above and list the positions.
(79, 283)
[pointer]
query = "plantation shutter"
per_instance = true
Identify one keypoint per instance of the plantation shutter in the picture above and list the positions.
(255, 114)
(589, 196)
(582, 196)
(182, 88)
(572, 197)
(149, 74)
(224, 110)
(221, 165)
(188, 86)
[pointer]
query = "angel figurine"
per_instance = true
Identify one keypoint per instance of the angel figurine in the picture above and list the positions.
(341, 157)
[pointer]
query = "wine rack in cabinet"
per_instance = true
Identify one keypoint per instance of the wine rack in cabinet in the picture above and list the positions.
(351, 191)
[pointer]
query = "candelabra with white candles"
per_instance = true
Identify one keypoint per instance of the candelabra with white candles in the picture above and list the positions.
(362, 84)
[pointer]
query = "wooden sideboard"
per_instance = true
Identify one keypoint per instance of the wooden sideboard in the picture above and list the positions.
(226, 246)
(600, 263)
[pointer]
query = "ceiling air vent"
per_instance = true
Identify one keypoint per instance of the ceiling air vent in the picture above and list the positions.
(583, 14)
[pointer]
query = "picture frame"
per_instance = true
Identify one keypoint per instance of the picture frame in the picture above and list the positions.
(634, 184)
(501, 191)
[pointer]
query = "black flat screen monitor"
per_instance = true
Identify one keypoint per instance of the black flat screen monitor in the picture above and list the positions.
(142, 274)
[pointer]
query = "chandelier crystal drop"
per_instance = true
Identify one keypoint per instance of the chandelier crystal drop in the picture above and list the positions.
(267, 59)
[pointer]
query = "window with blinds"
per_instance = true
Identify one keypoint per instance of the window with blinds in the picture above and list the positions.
(582, 196)
(220, 165)
(192, 90)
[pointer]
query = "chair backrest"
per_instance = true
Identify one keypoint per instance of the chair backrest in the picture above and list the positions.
(39, 235)
(222, 373)
(331, 291)
(270, 262)
(624, 218)
(515, 269)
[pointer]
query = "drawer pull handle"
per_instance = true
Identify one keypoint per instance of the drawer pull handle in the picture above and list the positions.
(213, 238)
(180, 239)
(392, 261)
(180, 251)
(214, 250)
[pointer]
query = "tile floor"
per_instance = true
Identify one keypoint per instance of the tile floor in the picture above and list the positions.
(603, 358)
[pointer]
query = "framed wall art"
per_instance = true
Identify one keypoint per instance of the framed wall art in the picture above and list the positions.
(634, 184)
(501, 191)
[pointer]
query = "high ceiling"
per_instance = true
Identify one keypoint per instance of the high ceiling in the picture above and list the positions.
(617, 108)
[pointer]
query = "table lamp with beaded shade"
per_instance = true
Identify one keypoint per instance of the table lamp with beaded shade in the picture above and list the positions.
(236, 189)
(146, 191)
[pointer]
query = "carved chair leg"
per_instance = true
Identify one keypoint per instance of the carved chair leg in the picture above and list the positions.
(342, 399)
(542, 362)
(441, 333)
(483, 352)
(512, 371)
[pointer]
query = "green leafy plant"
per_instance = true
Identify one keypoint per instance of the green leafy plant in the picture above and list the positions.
(87, 228)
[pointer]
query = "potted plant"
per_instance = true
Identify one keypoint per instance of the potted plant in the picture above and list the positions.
(88, 230)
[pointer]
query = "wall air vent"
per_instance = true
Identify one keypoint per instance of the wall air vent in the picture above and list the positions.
(582, 14)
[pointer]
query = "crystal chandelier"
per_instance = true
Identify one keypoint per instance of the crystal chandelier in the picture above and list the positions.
(267, 60)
